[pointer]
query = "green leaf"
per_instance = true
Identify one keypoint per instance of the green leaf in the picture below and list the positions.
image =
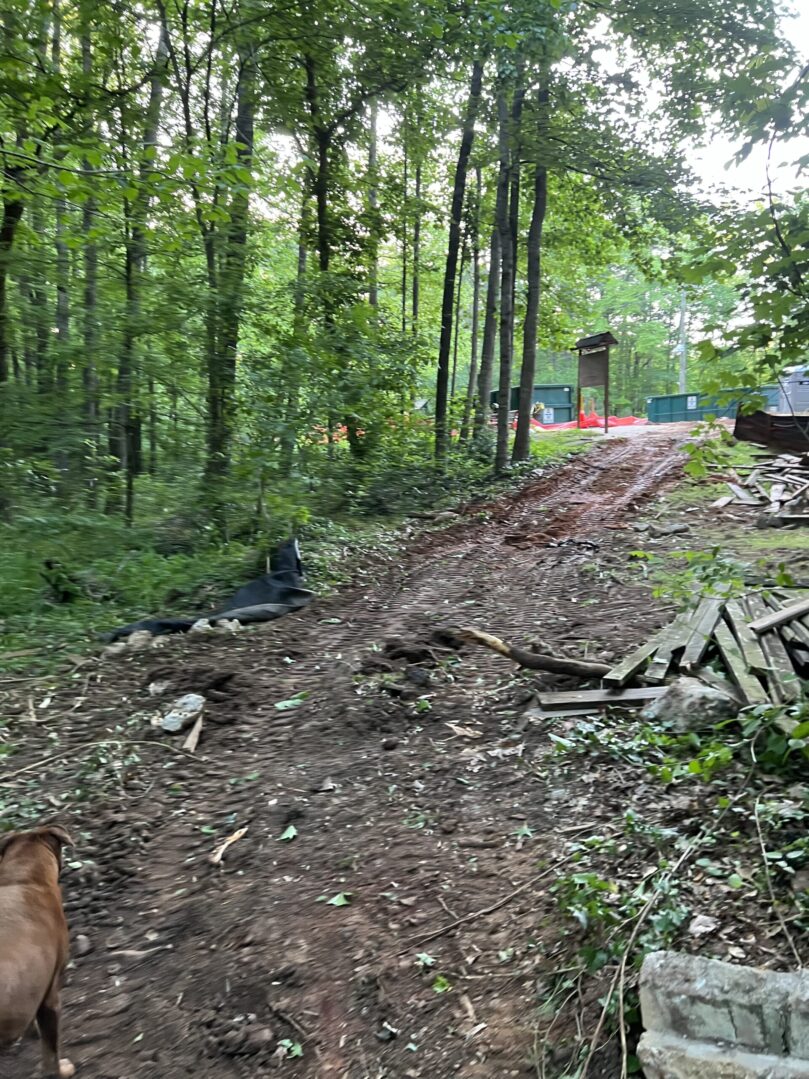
(342, 899)
(441, 984)
(424, 959)
(292, 702)
(288, 834)
(735, 881)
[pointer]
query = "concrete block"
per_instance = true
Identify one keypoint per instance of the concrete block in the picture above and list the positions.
(707, 1000)
(665, 1056)
(798, 1027)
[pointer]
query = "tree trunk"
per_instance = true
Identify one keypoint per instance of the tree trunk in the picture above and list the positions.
(89, 374)
(405, 195)
(522, 439)
(292, 374)
(489, 336)
(125, 439)
(414, 315)
(62, 302)
(457, 324)
(504, 225)
(454, 243)
(473, 352)
(373, 206)
(12, 215)
(222, 376)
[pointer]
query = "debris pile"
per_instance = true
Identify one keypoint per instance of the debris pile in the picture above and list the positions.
(753, 650)
(777, 485)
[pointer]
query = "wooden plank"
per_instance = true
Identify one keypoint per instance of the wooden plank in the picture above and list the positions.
(796, 631)
(777, 492)
(736, 618)
(633, 663)
(720, 503)
(674, 639)
(785, 685)
(751, 690)
(600, 697)
(703, 622)
(716, 681)
(773, 619)
(742, 495)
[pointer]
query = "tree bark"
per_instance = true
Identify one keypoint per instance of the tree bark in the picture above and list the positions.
(485, 375)
(405, 197)
(373, 206)
(504, 225)
(125, 437)
(454, 243)
(414, 314)
(292, 374)
(12, 215)
(473, 352)
(457, 323)
(89, 374)
(522, 438)
(222, 376)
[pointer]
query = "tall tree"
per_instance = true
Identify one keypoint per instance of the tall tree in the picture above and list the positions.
(453, 247)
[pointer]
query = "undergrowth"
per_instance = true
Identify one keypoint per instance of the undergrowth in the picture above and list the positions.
(103, 574)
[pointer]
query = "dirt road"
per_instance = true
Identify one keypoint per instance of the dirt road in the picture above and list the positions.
(405, 786)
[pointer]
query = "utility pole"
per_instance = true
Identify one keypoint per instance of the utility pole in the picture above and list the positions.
(682, 346)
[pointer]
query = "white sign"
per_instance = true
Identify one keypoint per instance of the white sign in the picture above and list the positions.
(691, 402)
(547, 415)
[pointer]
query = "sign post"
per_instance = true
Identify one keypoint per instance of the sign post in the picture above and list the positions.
(594, 370)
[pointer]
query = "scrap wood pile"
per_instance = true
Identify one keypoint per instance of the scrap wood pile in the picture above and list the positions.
(779, 486)
(754, 650)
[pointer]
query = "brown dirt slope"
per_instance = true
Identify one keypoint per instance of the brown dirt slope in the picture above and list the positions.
(407, 774)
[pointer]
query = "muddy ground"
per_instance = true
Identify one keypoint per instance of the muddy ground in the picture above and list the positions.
(416, 793)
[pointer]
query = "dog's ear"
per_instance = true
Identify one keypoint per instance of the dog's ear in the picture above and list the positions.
(6, 840)
(59, 834)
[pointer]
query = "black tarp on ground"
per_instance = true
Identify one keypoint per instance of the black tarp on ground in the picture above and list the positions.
(262, 600)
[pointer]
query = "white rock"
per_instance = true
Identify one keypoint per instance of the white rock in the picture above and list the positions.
(202, 625)
(702, 926)
(156, 688)
(184, 712)
(141, 638)
(689, 705)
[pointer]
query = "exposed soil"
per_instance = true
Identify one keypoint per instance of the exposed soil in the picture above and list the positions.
(418, 787)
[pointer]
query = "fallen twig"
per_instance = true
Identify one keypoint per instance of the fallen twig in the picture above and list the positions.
(773, 901)
(485, 910)
(619, 978)
(216, 857)
(88, 745)
(534, 661)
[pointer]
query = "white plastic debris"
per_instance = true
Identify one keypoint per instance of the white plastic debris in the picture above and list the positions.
(155, 689)
(702, 926)
(202, 625)
(141, 638)
(183, 713)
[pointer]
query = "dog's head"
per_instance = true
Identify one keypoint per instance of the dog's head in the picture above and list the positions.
(52, 836)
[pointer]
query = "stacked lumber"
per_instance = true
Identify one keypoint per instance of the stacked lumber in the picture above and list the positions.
(755, 649)
(777, 485)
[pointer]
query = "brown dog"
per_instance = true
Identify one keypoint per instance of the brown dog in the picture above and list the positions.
(33, 940)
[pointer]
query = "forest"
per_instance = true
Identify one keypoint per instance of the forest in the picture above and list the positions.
(264, 267)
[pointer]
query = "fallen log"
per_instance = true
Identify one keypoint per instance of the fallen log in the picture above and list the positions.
(534, 661)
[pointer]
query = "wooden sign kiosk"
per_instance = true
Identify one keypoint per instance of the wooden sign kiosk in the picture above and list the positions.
(594, 369)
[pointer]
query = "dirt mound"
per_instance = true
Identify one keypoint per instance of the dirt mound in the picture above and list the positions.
(396, 797)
